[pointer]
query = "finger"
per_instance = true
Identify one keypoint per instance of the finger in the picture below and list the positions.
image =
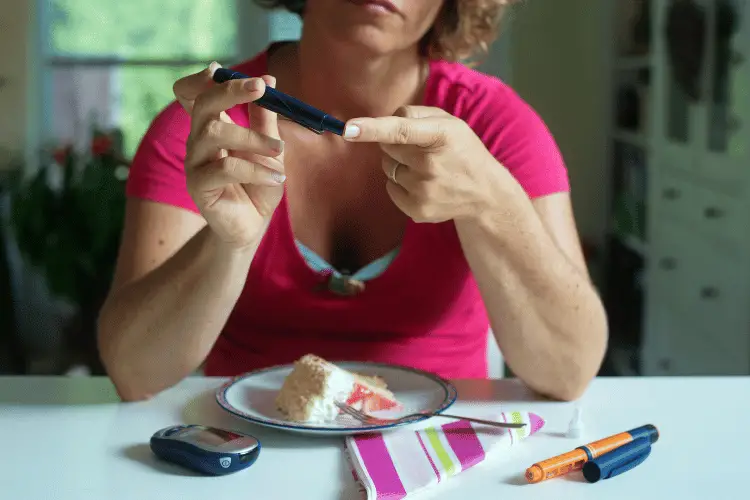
(233, 170)
(420, 112)
(274, 163)
(219, 135)
(400, 173)
(262, 120)
(400, 198)
(186, 89)
(414, 156)
(209, 104)
(425, 133)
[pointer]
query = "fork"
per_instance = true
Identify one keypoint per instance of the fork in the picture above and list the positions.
(369, 419)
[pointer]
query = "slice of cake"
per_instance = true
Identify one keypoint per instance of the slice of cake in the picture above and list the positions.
(310, 392)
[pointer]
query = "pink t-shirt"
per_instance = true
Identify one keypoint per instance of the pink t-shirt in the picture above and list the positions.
(425, 310)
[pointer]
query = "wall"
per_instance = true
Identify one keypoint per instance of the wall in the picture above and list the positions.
(17, 85)
(560, 57)
(497, 62)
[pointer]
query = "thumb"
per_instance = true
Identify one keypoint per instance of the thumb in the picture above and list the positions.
(261, 120)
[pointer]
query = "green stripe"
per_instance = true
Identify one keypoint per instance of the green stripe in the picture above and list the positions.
(516, 418)
(443, 456)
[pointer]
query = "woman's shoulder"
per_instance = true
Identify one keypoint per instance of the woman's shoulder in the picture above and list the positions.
(507, 125)
(460, 77)
(157, 169)
(473, 95)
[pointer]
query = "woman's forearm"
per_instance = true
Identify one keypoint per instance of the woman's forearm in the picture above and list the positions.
(155, 331)
(545, 313)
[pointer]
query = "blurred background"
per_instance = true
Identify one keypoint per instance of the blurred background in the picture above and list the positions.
(648, 100)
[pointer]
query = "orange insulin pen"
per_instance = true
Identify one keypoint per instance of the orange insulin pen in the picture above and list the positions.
(574, 460)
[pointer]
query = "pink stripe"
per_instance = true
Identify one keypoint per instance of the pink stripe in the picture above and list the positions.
(510, 432)
(465, 443)
(377, 461)
(424, 449)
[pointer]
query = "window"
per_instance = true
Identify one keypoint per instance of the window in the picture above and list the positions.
(112, 64)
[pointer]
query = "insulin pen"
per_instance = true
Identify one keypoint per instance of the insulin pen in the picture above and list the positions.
(287, 106)
(575, 460)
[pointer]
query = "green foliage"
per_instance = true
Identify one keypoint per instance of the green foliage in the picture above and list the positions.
(70, 229)
(144, 29)
(144, 92)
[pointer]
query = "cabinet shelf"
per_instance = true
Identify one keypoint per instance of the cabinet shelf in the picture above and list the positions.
(690, 290)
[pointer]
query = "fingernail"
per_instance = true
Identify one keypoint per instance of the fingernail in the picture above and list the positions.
(213, 67)
(351, 131)
(253, 84)
(277, 145)
(278, 177)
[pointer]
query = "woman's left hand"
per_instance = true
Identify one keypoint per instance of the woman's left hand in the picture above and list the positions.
(437, 167)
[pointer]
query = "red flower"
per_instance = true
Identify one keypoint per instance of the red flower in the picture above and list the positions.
(62, 154)
(102, 144)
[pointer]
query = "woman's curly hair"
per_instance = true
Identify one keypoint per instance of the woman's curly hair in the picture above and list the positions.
(463, 30)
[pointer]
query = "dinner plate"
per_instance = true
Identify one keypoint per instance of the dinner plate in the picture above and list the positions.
(251, 397)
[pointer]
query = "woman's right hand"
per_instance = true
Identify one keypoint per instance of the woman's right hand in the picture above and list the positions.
(235, 175)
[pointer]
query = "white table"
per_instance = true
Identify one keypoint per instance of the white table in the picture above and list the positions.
(71, 438)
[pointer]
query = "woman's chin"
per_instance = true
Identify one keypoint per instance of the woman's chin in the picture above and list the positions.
(372, 44)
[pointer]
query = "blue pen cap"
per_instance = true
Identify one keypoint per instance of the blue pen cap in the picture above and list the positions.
(649, 432)
(287, 106)
(617, 461)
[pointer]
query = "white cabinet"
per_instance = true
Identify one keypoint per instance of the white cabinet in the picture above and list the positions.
(697, 305)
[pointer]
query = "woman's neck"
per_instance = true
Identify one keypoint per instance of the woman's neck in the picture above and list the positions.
(349, 84)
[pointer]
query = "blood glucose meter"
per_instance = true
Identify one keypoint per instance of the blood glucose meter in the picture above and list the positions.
(206, 449)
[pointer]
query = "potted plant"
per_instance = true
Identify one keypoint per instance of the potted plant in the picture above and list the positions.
(67, 219)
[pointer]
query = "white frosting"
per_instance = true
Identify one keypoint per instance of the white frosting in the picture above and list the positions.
(339, 385)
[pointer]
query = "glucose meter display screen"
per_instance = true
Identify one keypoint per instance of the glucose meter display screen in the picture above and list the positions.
(212, 437)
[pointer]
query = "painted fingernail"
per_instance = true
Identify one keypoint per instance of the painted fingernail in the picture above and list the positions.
(277, 145)
(351, 131)
(253, 84)
(278, 177)
(213, 67)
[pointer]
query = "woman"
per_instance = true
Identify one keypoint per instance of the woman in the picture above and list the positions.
(447, 199)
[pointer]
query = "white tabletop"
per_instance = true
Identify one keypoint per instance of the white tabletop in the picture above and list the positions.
(71, 438)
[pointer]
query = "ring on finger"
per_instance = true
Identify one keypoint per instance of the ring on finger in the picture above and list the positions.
(392, 175)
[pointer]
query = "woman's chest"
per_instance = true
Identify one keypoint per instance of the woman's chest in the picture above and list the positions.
(426, 282)
(337, 203)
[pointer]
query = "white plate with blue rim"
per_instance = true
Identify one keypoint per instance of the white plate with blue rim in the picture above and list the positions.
(251, 397)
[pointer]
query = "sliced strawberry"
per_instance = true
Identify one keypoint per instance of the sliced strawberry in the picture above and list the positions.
(366, 399)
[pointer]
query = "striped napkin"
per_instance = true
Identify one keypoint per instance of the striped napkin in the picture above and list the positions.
(397, 464)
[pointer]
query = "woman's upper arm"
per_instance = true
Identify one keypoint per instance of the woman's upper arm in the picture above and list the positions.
(556, 213)
(160, 216)
(152, 233)
(521, 141)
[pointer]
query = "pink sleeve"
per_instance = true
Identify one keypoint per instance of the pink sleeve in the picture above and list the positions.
(516, 135)
(158, 172)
